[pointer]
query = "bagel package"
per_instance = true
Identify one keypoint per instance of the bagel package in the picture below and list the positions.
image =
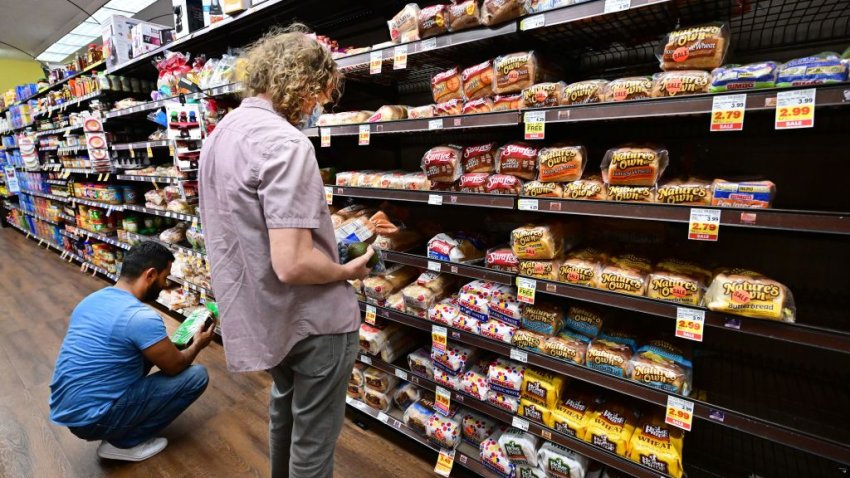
(561, 163)
(625, 274)
(584, 92)
(633, 165)
(745, 194)
(582, 267)
(662, 364)
(631, 88)
(542, 95)
(494, 12)
(433, 20)
(680, 83)
(477, 81)
(514, 72)
(700, 47)
(506, 102)
(463, 15)
(445, 86)
(821, 69)
(656, 445)
(693, 192)
(542, 190)
(592, 188)
(631, 193)
(442, 163)
(517, 159)
(743, 77)
(748, 293)
(610, 427)
(404, 26)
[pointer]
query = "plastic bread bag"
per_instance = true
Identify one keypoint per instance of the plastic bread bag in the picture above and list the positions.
(748, 293)
(662, 364)
(405, 239)
(584, 319)
(679, 266)
(699, 47)
(542, 190)
(633, 165)
(588, 188)
(474, 299)
(610, 427)
(504, 401)
(503, 184)
(397, 347)
(821, 69)
(426, 111)
(405, 395)
(519, 446)
(494, 12)
(355, 391)
(442, 164)
(502, 259)
(505, 376)
(456, 359)
(457, 247)
(624, 277)
(417, 415)
(497, 330)
(481, 105)
(479, 158)
(559, 462)
(534, 411)
(608, 356)
(533, 242)
(508, 102)
(517, 159)
(692, 192)
(377, 400)
(514, 72)
(678, 287)
(475, 427)
(373, 338)
(452, 107)
(416, 182)
(743, 77)
(473, 183)
(463, 15)
(433, 20)
(444, 431)
(545, 269)
(542, 387)
(420, 363)
(446, 85)
(474, 382)
(506, 308)
(529, 340)
(542, 317)
(404, 27)
(745, 194)
(583, 92)
(357, 377)
(657, 445)
(630, 88)
(395, 302)
(446, 379)
(582, 267)
(561, 163)
(542, 95)
(569, 347)
(389, 113)
(493, 456)
(680, 83)
(421, 297)
(380, 288)
(631, 193)
(445, 313)
(477, 81)
(570, 415)
(379, 380)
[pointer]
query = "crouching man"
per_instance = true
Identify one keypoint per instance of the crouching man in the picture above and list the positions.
(101, 389)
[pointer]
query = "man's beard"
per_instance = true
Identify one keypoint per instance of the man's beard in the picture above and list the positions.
(152, 293)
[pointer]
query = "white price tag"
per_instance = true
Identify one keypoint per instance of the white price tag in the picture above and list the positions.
(526, 289)
(532, 22)
(704, 224)
(435, 266)
(435, 199)
(401, 374)
(349, 400)
(383, 417)
(527, 204)
(366, 359)
(329, 195)
(428, 44)
(535, 124)
(612, 6)
(376, 59)
(795, 109)
(518, 422)
(435, 124)
(443, 400)
(727, 112)
(680, 413)
(690, 323)
(519, 355)
(400, 57)
(325, 135)
(439, 338)
(363, 138)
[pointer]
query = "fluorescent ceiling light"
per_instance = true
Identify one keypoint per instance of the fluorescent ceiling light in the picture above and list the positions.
(88, 28)
(103, 14)
(52, 57)
(66, 49)
(130, 6)
(74, 39)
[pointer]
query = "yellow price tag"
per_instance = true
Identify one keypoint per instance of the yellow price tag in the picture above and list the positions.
(106, 177)
(526, 289)
(132, 153)
(680, 413)
(704, 224)
(445, 461)
(171, 149)
(400, 57)
(535, 124)
(329, 195)
(371, 313)
(795, 109)
(203, 296)
(365, 132)
(690, 323)
(100, 177)
(149, 150)
(185, 287)
(727, 112)
(376, 60)
(325, 134)
(443, 400)
(439, 338)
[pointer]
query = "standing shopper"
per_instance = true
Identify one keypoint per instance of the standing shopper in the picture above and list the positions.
(285, 304)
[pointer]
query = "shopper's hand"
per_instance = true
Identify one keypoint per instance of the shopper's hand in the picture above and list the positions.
(204, 336)
(357, 268)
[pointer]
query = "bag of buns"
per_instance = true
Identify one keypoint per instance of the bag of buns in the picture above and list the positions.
(680, 83)
(477, 81)
(625, 274)
(753, 194)
(507, 102)
(679, 266)
(445, 86)
(426, 111)
(633, 165)
(748, 293)
(631, 88)
(582, 267)
(416, 182)
(442, 164)
(610, 427)
(570, 415)
(657, 445)
(609, 357)
(567, 346)
(515, 72)
(693, 192)
(542, 95)
(452, 107)
(479, 158)
(494, 12)
(543, 269)
(631, 193)
(743, 77)
(404, 27)
(473, 183)
(700, 47)
(463, 15)
(481, 105)
(433, 20)
(588, 188)
(389, 113)
(561, 163)
(542, 190)
(517, 159)
(662, 364)
(503, 184)
(583, 92)
(543, 242)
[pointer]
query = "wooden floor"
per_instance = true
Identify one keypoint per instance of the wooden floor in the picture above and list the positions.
(224, 434)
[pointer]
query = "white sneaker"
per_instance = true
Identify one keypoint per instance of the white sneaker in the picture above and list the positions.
(140, 452)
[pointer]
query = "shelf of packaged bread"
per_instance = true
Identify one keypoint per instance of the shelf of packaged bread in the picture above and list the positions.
(465, 454)
(207, 293)
(440, 123)
(175, 247)
(454, 268)
(441, 198)
(757, 100)
(140, 145)
(160, 212)
(582, 11)
(148, 179)
(508, 418)
(78, 231)
(780, 219)
(807, 442)
(818, 337)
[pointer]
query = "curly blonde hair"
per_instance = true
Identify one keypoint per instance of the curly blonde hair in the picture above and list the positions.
(290, 67)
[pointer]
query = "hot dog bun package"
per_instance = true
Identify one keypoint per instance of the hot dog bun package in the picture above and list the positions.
(662, 364)
(357, 377)
(389, 113)
(743, 77)
(420, 363)
(699, 47)
(519, 446)
(559, 462)
(820, 69)
(582, 267)
(494, 458)
(590, 187)
(542, 190)
(542, 95)
(752, 194)
(680, 83)
(542, 317)
(379, 380)
(479, 158)
(656, 445)
(442, 163)
(561, 163)
(529, 340)
(545, 269)
(610, 427)
(630, 88)
(515, 72)
(446, 86)
(633, 165)
(517, 159)
(457, 247)
(570, 415)
(503, 184)
(692, 192)
(748, 293)
(494, 12)
(477, 81)
(475, 427)
(449, 108)
(433, 20)
(463, 15)
(584, 319)
(404, 27)
(584, 92)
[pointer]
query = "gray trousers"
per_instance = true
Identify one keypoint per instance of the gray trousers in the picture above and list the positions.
(307, 405)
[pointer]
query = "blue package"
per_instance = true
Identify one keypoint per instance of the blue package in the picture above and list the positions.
(619, 337)
(584, 320)
(820, 69)
(743, 77)
(663, 365)
(609, 357)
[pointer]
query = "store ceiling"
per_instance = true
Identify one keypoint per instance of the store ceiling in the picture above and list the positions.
(34, 25)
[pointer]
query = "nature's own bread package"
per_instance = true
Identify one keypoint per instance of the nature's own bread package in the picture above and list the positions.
(680, 83)
(634, 165)
(700, 47)
(584, 92)
(748, 293)
(561, 163)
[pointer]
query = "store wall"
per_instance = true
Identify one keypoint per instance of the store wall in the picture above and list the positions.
(16, 72)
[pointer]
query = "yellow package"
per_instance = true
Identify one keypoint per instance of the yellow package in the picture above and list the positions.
(570, 415)
(675, 287)
(657, 446)
(582, 267)
(747, 293)
(610, 427)
(542, 387)
(535, 412)
(531, 242)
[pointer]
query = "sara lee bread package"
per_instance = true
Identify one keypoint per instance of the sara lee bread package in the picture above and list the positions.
(433, 20)
(561, 163)
(680, 83)
(657, 445)
(633, 165)
(821, 69)
(404, 27)
(506, 102)
(481, 105)
(478, 81)
(445, 86)
(479, 158)
(473, 183)
(463, 15)
(631, 88)
(584, 92)
(494, 12)
(754, 194)
(517, 159)
(541, 95)
(693, 192)
(389, 113)
(748, 293)
(610, 427)
(503, 184)
(662, 364)
(700, 47)
(743, 77)
(502, 259)
(625, 274)
(442, 163)
(451, 107)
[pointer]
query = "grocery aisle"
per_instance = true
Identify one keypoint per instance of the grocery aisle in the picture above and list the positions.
(223, 434)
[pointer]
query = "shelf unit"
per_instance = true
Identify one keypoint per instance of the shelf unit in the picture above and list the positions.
(147, 179)
(88, 69)
(163, 213)
(174, 247)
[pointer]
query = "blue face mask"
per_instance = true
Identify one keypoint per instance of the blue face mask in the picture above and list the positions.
(310, 120)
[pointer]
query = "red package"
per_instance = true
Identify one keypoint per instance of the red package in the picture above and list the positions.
(503, 184)
(442, 164)
(473, 183)
(517, 159)
(446, 86)
(449, 108)
(502, 259)
(479, 158)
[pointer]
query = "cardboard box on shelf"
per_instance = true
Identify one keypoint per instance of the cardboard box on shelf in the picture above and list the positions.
(117, 39)
(146, 37)
(188, 16)
(235, 6)
(213, 12)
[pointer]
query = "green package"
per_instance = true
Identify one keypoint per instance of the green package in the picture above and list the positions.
(187, 330)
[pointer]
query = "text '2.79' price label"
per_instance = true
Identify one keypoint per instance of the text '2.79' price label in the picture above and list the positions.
(535, 124)
(612, 6)
(371, 313)
(363, 138)
(727, 112)
(439, 338)
(704, 225)
(526, 289)
(690, 323)
(445, 462)
(680, 413)
(795, 109)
